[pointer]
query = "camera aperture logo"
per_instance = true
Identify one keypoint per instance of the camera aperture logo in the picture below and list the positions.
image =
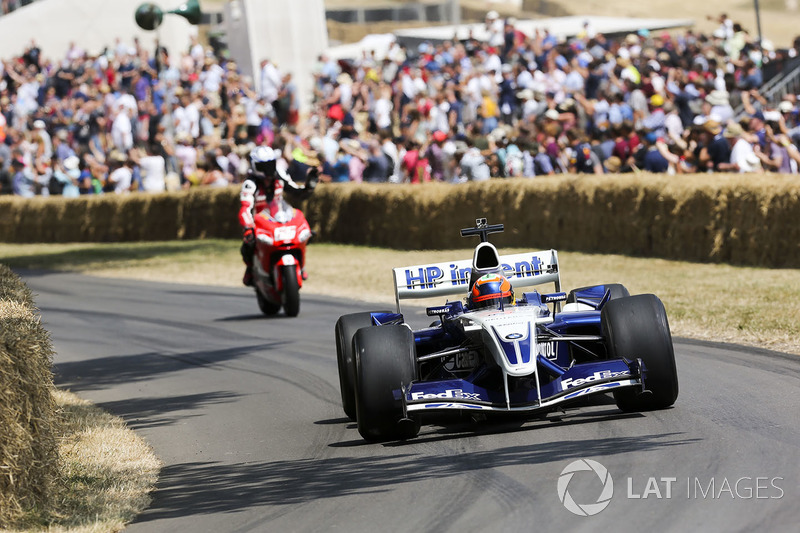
(585, 509)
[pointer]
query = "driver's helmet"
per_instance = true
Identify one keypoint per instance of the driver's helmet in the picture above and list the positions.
(491, 290)
(263, 160)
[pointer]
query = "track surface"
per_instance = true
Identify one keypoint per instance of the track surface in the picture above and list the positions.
(245, 413)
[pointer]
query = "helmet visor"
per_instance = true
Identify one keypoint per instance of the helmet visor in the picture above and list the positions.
(265, 167)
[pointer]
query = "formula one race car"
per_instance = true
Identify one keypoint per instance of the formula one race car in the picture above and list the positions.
(496, 353)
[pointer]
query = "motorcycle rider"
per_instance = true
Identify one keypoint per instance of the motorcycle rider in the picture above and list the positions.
(263, 189)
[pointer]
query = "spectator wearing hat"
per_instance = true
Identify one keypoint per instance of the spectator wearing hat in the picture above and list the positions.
(655, 122)
(120, 177)
(743, 157)
(493, 25)
(358, 157)
(650, 158)
(720, 105)
(612, 165)
(40, 132)
(65, 176)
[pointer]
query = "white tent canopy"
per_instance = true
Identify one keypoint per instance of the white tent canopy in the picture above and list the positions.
(90, 24)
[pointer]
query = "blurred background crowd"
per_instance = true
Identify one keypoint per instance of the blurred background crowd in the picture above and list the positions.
(125, 119)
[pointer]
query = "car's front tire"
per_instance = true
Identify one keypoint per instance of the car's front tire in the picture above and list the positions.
(385, 362)
(346, 328)
(637, 327)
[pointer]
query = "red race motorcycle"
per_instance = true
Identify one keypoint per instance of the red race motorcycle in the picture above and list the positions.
(282, 233)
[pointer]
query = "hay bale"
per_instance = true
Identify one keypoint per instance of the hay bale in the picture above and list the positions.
(27, 411)
(739, 219)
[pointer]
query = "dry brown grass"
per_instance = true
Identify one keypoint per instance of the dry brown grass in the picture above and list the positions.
(64, 464)
(106, 473)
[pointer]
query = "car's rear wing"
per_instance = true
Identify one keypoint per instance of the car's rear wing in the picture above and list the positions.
(449, 278)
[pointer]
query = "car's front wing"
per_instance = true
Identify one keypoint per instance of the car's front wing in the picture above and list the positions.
(528, 394)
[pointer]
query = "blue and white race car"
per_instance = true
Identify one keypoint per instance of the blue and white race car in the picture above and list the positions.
(494, 352)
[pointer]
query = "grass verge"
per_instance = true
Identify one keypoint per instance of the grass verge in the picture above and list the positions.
(107, 473)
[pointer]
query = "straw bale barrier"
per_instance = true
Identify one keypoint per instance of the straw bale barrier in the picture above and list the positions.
(746, 220)
(730, 218)
(28, 455)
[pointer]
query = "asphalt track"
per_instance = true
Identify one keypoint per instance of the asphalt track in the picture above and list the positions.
(245, 413)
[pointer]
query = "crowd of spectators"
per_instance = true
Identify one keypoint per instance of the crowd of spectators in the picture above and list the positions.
(529, 105)
(120, 120)
(123, 119)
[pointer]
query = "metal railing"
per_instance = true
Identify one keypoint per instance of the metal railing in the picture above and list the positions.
(773, 91)
(789, 83)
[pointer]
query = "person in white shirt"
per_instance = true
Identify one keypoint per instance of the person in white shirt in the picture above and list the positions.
(383, 108)
(187, 117)
(154, 170)
(41, 131)
(270, 81)
(121, 177)
(494, 27)
(742, 153)
(122, 130)
(211, 76)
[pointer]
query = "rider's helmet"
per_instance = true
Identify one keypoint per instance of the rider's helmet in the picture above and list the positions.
(491, 290)
(263, 160)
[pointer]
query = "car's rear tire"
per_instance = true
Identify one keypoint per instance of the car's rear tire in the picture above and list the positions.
(346, 327)
(267, 307)
(617, 291)
(385, 362)
(637, 327)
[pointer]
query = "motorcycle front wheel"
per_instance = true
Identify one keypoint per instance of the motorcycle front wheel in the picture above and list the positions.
(291, 290)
